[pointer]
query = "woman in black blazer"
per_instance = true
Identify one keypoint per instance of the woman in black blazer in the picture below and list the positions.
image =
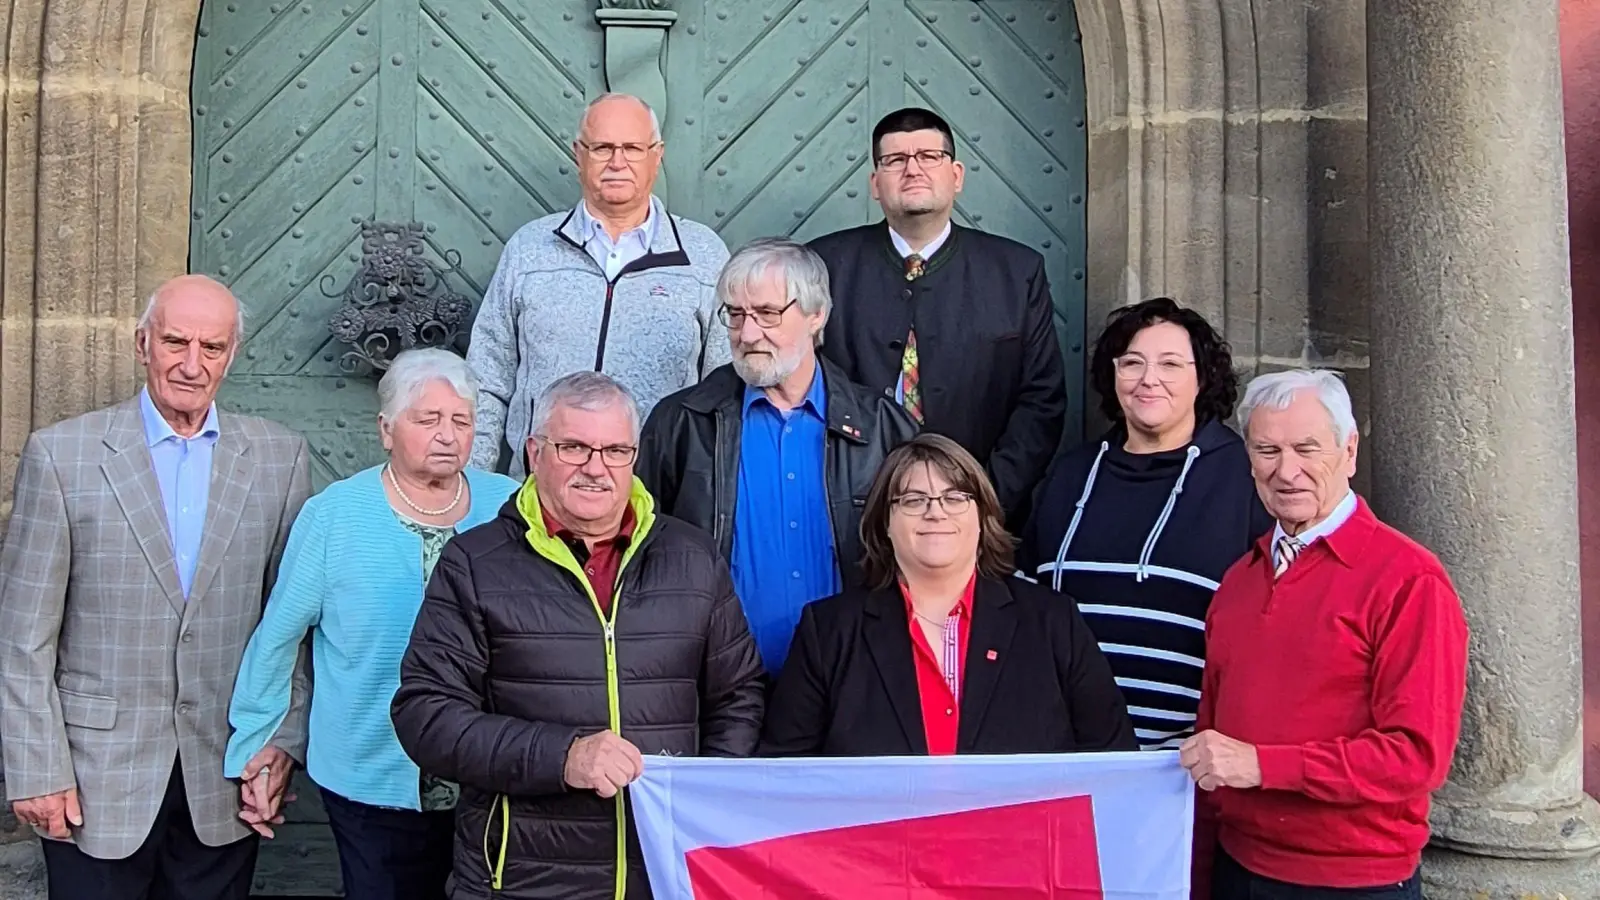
(947, 653)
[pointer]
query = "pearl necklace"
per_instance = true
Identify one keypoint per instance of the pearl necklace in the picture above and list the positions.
(461, 481)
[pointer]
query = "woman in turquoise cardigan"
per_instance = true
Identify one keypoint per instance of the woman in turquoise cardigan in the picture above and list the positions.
(358, 558)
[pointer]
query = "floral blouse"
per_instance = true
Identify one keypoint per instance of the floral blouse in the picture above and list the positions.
(437, 794)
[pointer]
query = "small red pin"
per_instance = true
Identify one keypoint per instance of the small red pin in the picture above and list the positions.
(991, 656)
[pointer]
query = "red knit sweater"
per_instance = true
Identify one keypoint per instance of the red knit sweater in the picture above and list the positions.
(1348, 675)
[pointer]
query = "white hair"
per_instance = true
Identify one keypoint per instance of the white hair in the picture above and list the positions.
(1277, 390)
(147, 318)
(655, 123)
(805, 275)
(413, 370)
(588, 391)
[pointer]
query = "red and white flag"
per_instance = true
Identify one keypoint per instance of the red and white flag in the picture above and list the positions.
(1093, 826)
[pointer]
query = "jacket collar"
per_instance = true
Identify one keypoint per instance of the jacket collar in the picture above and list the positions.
(723, 390)
(666, 245)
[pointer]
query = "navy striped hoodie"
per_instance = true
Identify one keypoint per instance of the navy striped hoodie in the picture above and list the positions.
(1140, 541)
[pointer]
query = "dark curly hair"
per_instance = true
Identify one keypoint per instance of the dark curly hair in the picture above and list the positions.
(1213, 361)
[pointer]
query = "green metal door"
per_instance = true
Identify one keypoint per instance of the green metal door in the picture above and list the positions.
(312, 117)
(776, 100)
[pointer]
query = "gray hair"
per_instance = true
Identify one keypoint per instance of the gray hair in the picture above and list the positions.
(655, 123)
(805, 275)
(413, 370)
(588, 391)
(1278, 389)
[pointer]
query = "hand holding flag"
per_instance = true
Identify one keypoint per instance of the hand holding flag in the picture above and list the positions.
(604, 762)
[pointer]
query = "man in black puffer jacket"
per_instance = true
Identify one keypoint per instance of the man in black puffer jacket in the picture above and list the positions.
(560, 645)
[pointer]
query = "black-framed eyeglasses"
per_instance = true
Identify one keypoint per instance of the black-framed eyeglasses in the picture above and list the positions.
(630, 152)
(916, 503)
(577, 453)
(733, 317)
(927, 159)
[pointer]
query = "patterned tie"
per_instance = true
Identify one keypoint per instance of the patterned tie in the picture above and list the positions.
(1284, 553)
(910, 392)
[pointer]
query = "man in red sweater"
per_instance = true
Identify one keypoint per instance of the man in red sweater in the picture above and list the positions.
(1335, 672)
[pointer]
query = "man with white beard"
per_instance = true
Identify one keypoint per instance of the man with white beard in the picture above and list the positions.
(774, 453)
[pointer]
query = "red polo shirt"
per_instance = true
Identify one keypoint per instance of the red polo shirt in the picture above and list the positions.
(941, 706)
(600, 565)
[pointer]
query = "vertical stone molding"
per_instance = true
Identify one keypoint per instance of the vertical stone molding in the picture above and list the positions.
(1227, 169)
(94, 181)
(635, 41)
(1472, 429)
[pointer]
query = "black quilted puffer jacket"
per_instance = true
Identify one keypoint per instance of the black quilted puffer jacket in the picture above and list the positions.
(511, 660)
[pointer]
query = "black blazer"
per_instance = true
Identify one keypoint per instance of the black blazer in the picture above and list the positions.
(850, 686)
(992, 375)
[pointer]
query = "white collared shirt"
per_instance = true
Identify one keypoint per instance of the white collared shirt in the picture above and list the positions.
(1341, 514)
(613, 255)
(904, 247)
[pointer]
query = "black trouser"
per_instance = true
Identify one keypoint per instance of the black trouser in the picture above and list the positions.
(1231, 881)
(171, 864)
(390, 854)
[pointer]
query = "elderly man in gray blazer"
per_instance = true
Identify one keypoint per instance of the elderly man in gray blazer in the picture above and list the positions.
(143, 542)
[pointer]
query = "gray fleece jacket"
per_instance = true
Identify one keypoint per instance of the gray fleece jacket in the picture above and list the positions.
(549, 311)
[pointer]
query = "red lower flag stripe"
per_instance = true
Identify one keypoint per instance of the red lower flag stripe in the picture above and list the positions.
(1026, 851)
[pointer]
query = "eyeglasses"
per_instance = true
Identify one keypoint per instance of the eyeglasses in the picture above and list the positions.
(953, 502)
(630, 152)
(928, 159)
(733, 317)
(575, 453)
(1130, 368)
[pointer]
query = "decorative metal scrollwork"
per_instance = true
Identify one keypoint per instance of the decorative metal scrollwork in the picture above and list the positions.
(636, 4)
(397, 300)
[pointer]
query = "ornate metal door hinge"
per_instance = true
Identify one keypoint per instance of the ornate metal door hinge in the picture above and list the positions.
(398, 299)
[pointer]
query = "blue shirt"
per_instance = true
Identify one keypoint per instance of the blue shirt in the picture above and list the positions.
(183, 469)
(629, 246)
(783, 555)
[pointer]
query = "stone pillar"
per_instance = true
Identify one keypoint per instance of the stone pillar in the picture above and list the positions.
(1472, 438)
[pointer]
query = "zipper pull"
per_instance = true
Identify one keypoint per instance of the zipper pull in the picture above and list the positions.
(611, 634)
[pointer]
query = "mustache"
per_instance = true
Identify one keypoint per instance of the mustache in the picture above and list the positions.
(582, 480)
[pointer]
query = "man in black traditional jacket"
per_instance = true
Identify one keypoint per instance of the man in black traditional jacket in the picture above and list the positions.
(955, 323)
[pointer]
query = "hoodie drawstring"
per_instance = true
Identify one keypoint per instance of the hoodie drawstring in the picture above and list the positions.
(1077, 516)
(1166, 513)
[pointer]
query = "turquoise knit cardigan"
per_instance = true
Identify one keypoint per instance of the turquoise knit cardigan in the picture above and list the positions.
(352, 575)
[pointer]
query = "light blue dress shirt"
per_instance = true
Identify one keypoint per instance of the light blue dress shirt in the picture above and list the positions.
(183, 469)
(629, 246)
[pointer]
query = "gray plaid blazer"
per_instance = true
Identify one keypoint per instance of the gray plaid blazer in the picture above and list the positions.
(108, 676)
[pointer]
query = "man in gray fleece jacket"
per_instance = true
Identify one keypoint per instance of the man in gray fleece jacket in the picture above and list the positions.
(614, 285)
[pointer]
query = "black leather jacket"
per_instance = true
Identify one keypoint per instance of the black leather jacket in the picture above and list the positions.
(689, 455)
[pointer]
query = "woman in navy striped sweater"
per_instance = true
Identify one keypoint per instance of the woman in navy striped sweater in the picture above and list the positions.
(1139, 526)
